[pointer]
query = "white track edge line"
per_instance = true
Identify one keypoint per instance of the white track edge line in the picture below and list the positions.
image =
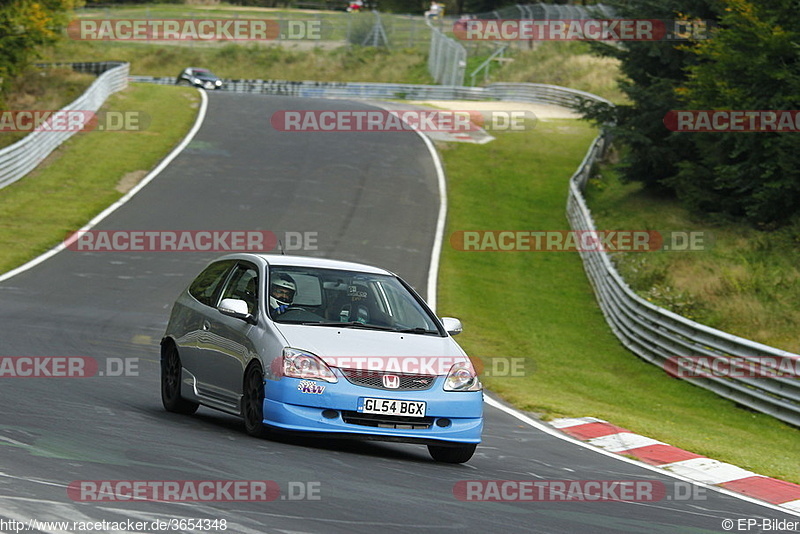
(432, 285)
(436, 252)
(119, 203)
(557, 434)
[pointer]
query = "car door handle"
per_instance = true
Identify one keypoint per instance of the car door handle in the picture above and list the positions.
(206, 325)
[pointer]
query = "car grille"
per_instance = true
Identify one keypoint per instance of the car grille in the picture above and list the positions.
(374, 379)
(387, 421)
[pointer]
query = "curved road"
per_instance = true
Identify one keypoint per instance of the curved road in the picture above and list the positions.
(370, 198)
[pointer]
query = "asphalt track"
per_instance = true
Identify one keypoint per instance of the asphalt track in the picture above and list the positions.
(370, 198)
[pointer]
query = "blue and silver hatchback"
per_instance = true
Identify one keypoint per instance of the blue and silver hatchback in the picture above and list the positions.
(313, 345)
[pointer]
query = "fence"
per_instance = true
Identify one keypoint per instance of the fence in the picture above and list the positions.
(447, 56)
(325, 29)
(19, 159)
(447, 59)
(540, 11)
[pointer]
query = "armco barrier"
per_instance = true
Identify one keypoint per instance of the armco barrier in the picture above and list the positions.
(654, 334)
(518, 92)
(19, 159)
(666, 339)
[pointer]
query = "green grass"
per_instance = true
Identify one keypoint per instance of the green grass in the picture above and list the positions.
(42, 89)
(407, 30)
(540, 306)
(327, 59)
(569, 64)
(80, 178)
(744, 281)
(255, 61)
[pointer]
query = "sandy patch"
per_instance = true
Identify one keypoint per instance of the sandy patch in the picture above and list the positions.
(542, 111)
(130, 180)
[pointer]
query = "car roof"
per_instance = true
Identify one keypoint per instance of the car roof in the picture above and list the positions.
(281, 260)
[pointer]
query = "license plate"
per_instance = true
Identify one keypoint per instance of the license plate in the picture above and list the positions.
(392, 407)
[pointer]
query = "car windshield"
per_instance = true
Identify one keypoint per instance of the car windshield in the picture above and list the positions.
(327, 297)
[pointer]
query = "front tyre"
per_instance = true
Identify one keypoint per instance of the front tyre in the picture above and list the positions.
(171, 383)
(452, 455)
(253, 402)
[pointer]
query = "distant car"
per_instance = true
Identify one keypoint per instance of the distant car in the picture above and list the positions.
(199, 78)
(314, 345)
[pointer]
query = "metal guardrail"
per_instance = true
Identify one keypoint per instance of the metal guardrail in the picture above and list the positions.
(517, 92)
(19, 159)
(677, 344)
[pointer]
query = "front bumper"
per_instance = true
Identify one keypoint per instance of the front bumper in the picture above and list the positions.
(455, 417)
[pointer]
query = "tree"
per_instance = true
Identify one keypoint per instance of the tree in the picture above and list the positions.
(653, 72)
(26, 25)
(751, 63)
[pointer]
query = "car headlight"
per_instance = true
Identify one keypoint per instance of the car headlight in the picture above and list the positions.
(462, 377)
(301, 364)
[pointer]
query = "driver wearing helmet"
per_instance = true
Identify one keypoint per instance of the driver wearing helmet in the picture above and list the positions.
(281, 293)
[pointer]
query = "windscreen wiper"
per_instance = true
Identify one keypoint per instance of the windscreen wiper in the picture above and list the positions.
(354, 324)
(418, 330)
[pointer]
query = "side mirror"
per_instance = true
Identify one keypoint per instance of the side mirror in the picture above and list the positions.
(236, 308)
(452, 325)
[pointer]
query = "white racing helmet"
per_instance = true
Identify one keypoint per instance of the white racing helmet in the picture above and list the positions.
(281, 291)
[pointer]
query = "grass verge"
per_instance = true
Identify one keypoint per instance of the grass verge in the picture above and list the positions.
(250, 61)
(90, 171)
(737, 279)
(42, 89)
(539, 306)
(569, 64)
(401, 30)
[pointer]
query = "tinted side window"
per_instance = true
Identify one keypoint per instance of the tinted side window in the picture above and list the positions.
(405, 310)
(205, 286)
(243, 285)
